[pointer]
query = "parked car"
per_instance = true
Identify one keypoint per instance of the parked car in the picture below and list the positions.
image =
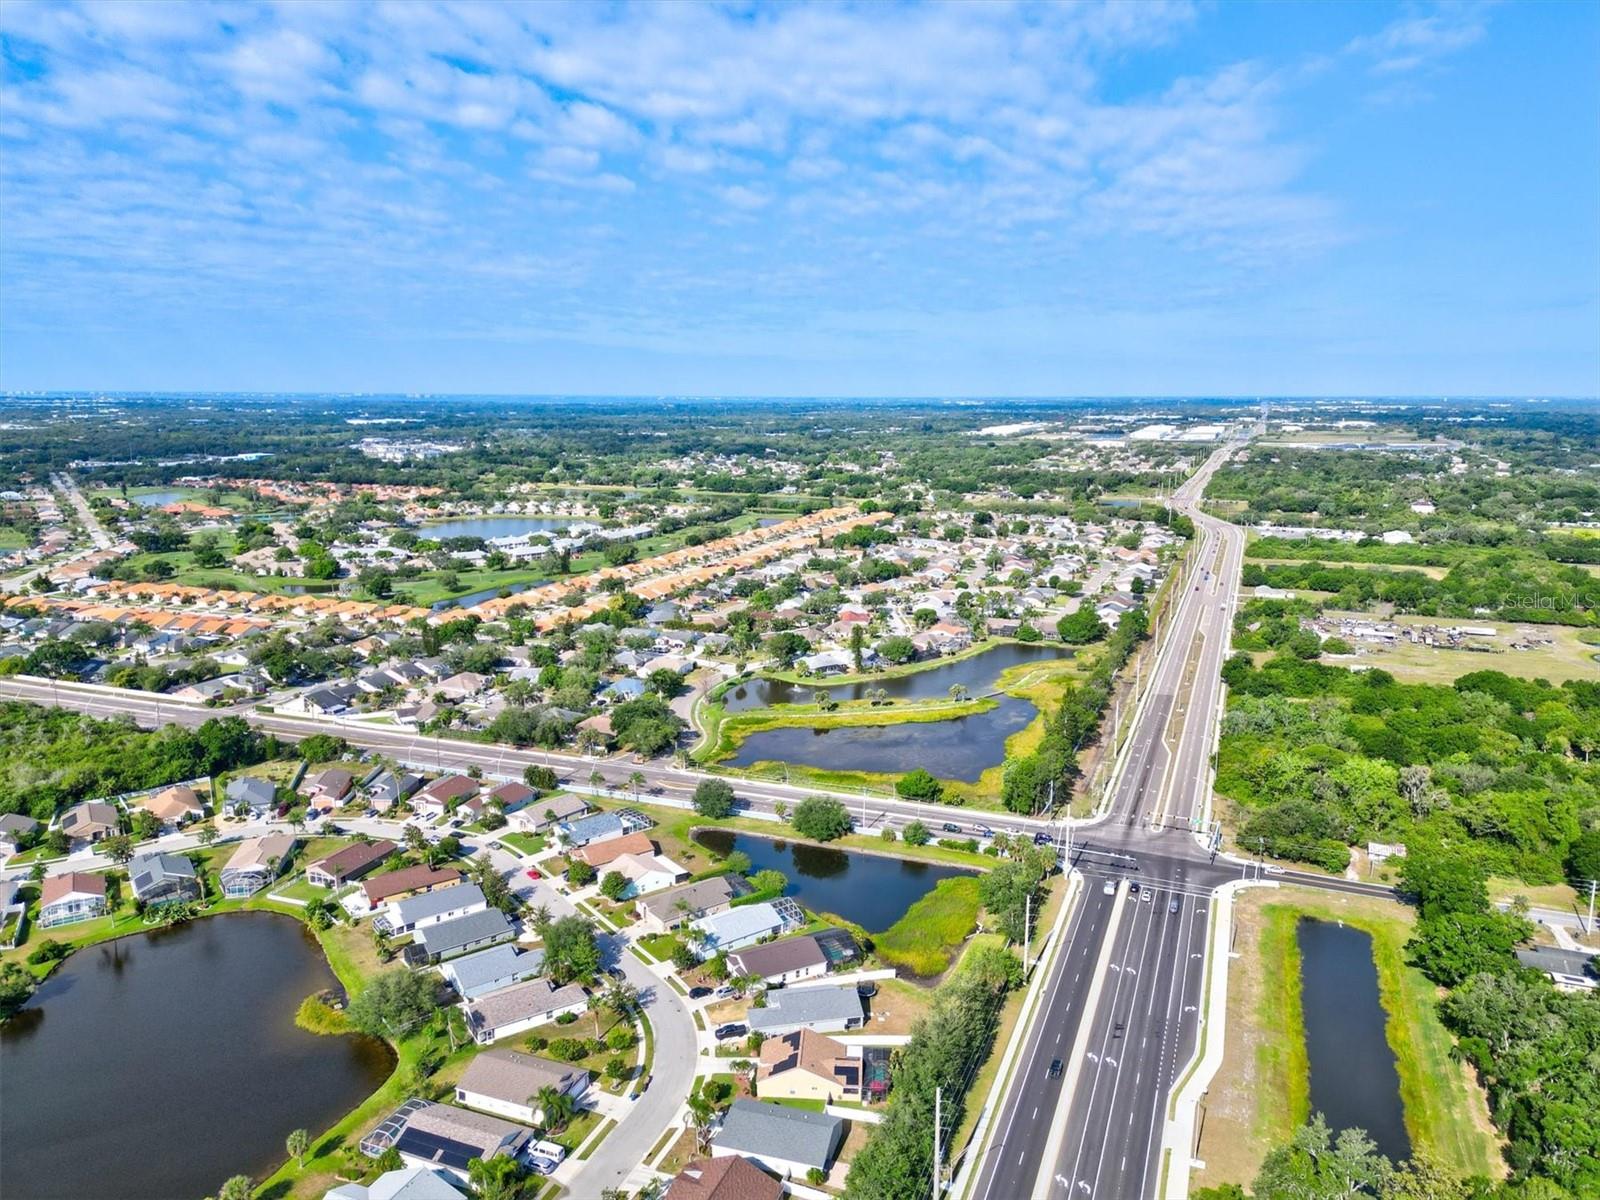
(1172, 905)
(699, 993)
(533, 873)
(726, 992)
(1133, 889)
(731, 1030)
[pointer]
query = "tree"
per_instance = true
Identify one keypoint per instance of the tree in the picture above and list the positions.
(1317, 1166)
(820, 818)
(298, 1143)
(579, 873)
(770, 881)
(555, 1107)
(16, 985)
(918, 784)
(1081, 627)
(1583, 858)
(539, 778)
(713, 799)
(492, 884)
(495, 1178)
(571, 953)
(702, 1116)
(1451, 947)
(646, 725)
(666, 682)
(613, 885)
(118, 848)
(916, 834)
(393, 1004)
(237, 1187)
(785, 647)
(898, 649)
(207, 833)
(1443, 882)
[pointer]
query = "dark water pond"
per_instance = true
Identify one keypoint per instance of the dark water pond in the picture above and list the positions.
(492, 527)
(961, 748)
(156, 1066)
(158, 499)
(871, 890)
(1353, 1078)
(488, 593)
(977, 674)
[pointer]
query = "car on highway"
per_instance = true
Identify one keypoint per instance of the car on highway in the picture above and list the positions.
(1041, 839)
(951, 827)
(731, 1030)
(1273, 869)
(1109, 889)
(984, 831)
(1172, 905)
(1055, 1068)
(533, 873)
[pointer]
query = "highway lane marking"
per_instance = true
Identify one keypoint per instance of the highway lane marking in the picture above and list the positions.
(1058, 1122)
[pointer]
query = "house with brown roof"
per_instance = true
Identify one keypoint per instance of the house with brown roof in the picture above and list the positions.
(600, 854)
(174, 805)
(666, 910)
(327, 789)
(542, 814)
(807, 1066)
(90, 821)
(730, 1178)
(75, 896)
(786, 961)
(443, 794)
(349, 863)
(374, 893)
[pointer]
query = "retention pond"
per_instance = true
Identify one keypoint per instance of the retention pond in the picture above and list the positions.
(1354, 1084)
(156, 1066)
(871, 890)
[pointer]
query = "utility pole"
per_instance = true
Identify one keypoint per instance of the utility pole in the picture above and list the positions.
(1027, 930)
(1593, 883)
(937, 1094)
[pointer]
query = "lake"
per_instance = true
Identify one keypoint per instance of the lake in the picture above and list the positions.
(1353, 1079)
(156, 1066)
(961, 748)
(493, 527)
(158, 499)
(976, 673)
(871, 890)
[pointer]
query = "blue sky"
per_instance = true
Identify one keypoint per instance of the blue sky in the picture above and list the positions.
(989, 199)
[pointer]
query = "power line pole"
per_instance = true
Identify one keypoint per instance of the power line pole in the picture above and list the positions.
(1027, 930)
(937, 1094)
(1593, 883)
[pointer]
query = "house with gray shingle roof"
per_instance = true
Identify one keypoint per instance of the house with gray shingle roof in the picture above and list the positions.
(788, 1141)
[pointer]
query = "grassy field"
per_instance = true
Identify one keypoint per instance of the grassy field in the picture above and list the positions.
(1262, 1090)
(926, 938)
(1568, 657)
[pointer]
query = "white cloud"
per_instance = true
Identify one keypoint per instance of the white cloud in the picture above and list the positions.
(1423, 37)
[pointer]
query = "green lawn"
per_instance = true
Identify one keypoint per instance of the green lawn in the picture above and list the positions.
(528, 843)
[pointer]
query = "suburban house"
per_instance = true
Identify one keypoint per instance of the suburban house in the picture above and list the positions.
(348, 864)
(730, 1178)
(174, 805)
(163, 879)
(511, 795)
(507, 1082)
(327, 789)
(252, 791)
(601, 854)
(256, 863)
(386, 789)
(432, 908)
(443, 794)
(475, 975)
(789, 1141)
(381, 889)
(90, 821)
(539, 815)
(408, 1183)
(16, 831)
(475, 931)
(740, 927)
(666, 910)
(819, 1009)
(12, 913)
(647, 873)
(600, 826)
(778, 963)
(75, 896)
(520, 1007)
(462, 686)
(445, 1138)
(807, 1066)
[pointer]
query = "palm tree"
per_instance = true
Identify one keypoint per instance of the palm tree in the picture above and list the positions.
(297, 1145)
(555, 1108)
(541, 919)
(207, 833)
(494, 1178)
(597, 780)
(636, 781)
(702, 1115)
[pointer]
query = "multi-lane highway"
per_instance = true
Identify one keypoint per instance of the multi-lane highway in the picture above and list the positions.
(1085, 1110)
